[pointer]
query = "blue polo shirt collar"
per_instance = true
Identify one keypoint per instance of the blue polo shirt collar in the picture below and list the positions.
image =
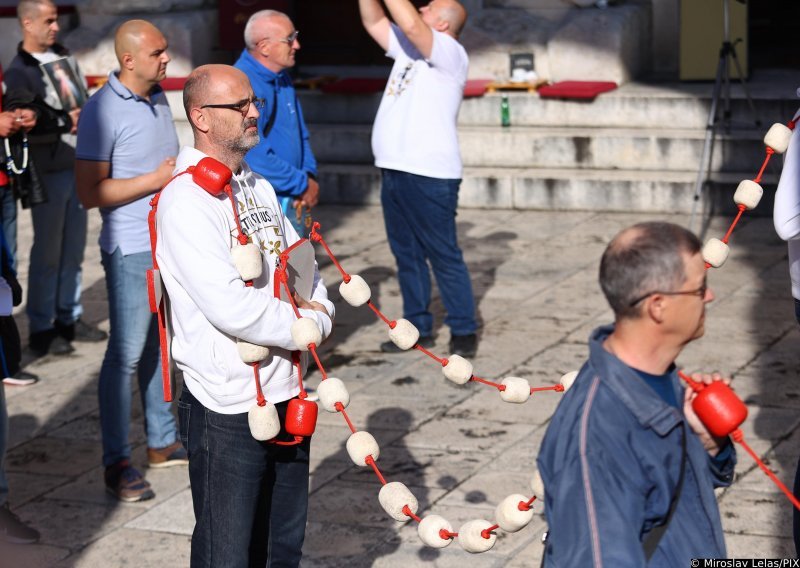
(124, 92)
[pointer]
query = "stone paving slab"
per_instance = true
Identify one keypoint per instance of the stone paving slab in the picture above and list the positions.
(459, 448)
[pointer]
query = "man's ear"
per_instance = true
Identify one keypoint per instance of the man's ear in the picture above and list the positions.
(127, 61)
(654, 307)
(199, 119)
(442, 26)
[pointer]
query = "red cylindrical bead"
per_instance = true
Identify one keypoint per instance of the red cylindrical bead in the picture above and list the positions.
(301, 417)
(719, 408)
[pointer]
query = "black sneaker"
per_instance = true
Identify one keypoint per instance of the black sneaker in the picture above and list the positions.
(426, 341)
(125, 483)
(39, 342)
(15, 531)
(81, 331)
(21, 379)
(464, 345)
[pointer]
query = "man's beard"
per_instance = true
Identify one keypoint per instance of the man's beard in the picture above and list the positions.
(245, 142)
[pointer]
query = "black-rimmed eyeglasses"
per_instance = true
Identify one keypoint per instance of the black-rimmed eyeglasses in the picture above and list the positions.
(700, 292)
(242, 106)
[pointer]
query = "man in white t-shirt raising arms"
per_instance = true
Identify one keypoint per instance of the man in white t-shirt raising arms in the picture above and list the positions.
(416, 146)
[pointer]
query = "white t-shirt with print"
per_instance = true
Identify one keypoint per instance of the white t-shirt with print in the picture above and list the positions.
(415, 128)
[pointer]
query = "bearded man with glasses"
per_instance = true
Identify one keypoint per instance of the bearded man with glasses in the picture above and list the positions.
(284, 154)
(629, 470)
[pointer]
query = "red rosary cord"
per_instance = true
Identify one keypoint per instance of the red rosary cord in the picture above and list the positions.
(526, 505)
(313, 349)
(317, 238)
(260, 400)
(241, 237)
(738, 437)
(340, 407)
(371, 462)
(409, 513)
(501, 388)
(696, 386)
(296, 363)
(447, 535)
(733, 224)
(487, 533)
(770, 152)
(556, 388)
(441, 361)
(378, 313)
(285, 284)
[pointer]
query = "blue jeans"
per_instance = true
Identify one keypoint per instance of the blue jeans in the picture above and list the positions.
(241, 489)
(59, 237)
(133, 348)
(420, 217)
(8, 211)
(3, 446)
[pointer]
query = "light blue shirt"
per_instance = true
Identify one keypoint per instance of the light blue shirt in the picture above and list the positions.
(134, 135)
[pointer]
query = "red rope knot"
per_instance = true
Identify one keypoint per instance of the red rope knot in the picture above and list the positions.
(312, 346)
(559, 388)
(260, 400)
(339, 406)
(770, 151)
(314, 235)
(737, 435)
(242, 238)
(501, 388)
(392, 324)
(303, 394)
(487, 533)
(791, 124)
(523, 506)
(346, 278)
(445, 534)
(445, 362)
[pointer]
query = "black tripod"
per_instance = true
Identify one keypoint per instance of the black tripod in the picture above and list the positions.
(726, 53)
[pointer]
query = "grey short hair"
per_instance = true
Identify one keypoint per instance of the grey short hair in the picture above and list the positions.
(250, 38)
(196, 87)
(642, 259)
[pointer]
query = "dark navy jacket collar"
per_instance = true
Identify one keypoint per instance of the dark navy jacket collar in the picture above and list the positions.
(645, 405)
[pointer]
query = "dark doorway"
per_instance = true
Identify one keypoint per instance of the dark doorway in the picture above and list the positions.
(773, 25)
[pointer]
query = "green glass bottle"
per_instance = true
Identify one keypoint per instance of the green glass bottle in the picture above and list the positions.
(505, 111)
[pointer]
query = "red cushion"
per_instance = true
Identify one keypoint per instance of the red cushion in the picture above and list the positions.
(476, 87)
(355, 86)
(585, 90)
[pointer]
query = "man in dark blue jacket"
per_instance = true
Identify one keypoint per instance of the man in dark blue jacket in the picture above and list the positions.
(283, 155)
(629, 470)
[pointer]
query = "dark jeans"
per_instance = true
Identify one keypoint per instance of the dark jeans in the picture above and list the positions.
(420, 217)
(241, 488)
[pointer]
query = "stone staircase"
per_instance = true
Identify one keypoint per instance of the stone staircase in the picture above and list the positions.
(636, 148)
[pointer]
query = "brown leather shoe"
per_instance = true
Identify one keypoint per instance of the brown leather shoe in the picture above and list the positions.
(172, 455)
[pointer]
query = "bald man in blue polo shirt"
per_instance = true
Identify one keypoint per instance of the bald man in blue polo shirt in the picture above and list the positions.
(126, 152)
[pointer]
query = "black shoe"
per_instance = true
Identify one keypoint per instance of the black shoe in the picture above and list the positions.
(426, 341)
(80, 331)
(21, 379)
(464, 345)
(60, 346)
(15, 531)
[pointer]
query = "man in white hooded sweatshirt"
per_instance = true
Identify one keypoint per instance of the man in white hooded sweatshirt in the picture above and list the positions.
(250, 497)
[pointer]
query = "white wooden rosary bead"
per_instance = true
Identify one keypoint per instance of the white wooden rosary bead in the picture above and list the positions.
(264, 421)
(518, 390)
(247, 260)
(509, 516)
(393, 497)
(250, 352)
(361, 445)
(331, 391)
(715, 252)
(748, 194)
(567, 379)
(356, 292)
(304, 332)
(537, 485)
(778, 137)
(458, 369)
(471, 539)
(429, 531)
(404, 334)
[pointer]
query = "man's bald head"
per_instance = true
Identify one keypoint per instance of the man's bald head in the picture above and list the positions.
(454, 14)
(261, 25)
(209, 84)
(128, 38)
